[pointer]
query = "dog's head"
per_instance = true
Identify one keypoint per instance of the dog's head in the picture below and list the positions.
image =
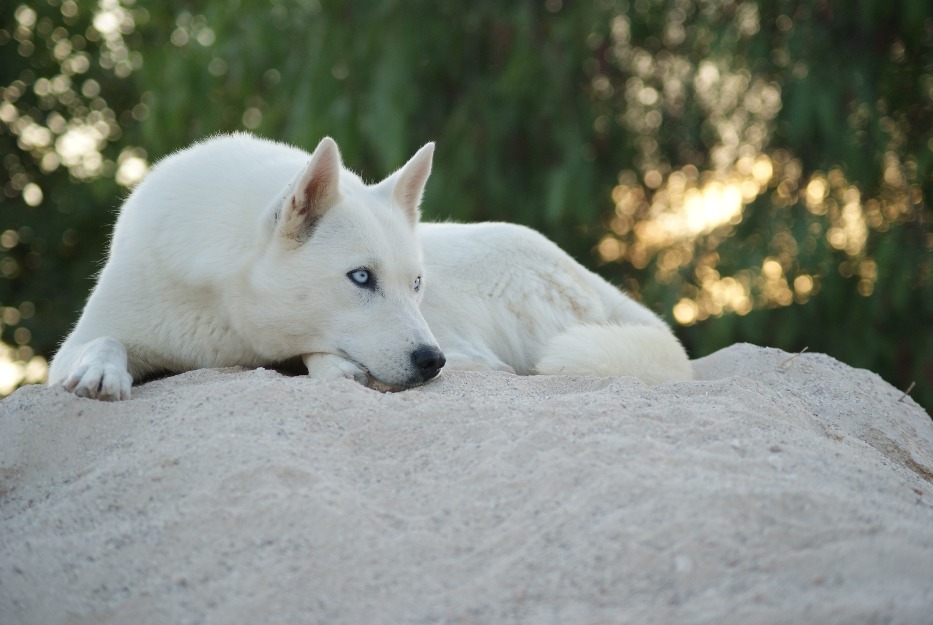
(342, 272)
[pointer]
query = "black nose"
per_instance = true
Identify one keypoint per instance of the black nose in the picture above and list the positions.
(428, 361)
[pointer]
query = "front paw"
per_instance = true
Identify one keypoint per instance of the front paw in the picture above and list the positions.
(333, 367)
(100, 381)
(97, 369)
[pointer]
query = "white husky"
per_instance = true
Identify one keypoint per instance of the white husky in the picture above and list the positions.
(242, 251)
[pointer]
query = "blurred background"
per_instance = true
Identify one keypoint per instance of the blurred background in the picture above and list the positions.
(753, 171)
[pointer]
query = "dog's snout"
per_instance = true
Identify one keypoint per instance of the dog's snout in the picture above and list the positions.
(428, 361)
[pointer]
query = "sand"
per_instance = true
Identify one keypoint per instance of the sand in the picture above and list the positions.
(762, 492)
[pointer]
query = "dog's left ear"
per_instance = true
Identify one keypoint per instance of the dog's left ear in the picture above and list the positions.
(407, 184)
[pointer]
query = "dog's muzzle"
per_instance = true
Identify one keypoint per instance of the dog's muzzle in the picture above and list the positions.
(428, 361)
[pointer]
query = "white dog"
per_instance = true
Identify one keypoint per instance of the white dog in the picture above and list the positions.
(242, 251)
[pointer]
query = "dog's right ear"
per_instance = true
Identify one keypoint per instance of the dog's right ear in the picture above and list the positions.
(316, 190)
(406, 186)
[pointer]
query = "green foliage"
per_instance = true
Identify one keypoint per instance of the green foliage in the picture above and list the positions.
(540, 111)
(50, 251)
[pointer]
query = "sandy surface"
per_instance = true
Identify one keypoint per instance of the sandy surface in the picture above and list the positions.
(756, 494)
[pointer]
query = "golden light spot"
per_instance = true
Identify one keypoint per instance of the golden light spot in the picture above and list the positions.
(717, 204)
(25, 16)
(677, 182)
(609, 248)
(762, 170)
(107, 23)
(854, 227)
(638, 256)
(893, 174)
(11, 315)
(852, 195)
(618, 195)
(50, 162)
(252, 118)
(9, 268)
(743, 306)
(873, 214)
(34, 136)
(803, 285)
(685, 312)
(836, 237)
(648, 96)
(771, 269)
(22, 336)
(750, 189)
(9, 239)
(32, 194)
(653, 179)
(817, 191)
(15, 371)
(627, 199)
(79, 150)
(621, 225)
(8, 112)
(132, 167)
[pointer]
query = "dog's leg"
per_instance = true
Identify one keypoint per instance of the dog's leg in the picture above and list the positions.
(96, 369)
(334, 367)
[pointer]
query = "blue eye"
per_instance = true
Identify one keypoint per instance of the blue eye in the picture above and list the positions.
(417, 284)
(360, 276)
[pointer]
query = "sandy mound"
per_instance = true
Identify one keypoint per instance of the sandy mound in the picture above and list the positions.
(756, 494)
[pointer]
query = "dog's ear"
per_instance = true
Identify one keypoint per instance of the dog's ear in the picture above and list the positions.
(407, 184)
(316, 189)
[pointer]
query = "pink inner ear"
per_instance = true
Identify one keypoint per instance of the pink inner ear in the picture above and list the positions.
(318, 189)
(408, 193)
(320, 184)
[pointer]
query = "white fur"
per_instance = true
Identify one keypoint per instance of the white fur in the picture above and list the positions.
(643, 351)
(242, 251)
(503, 297)
(236, 251)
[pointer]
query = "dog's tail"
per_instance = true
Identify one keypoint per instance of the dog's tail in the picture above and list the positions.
(649, 352)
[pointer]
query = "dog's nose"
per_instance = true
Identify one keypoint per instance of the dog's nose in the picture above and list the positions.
(428, 361)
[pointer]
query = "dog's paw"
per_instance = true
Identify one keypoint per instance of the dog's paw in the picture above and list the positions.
(99, 381)
(96, 369)
(333, 367)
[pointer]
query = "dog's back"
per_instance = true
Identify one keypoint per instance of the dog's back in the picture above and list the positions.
(504, 297)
